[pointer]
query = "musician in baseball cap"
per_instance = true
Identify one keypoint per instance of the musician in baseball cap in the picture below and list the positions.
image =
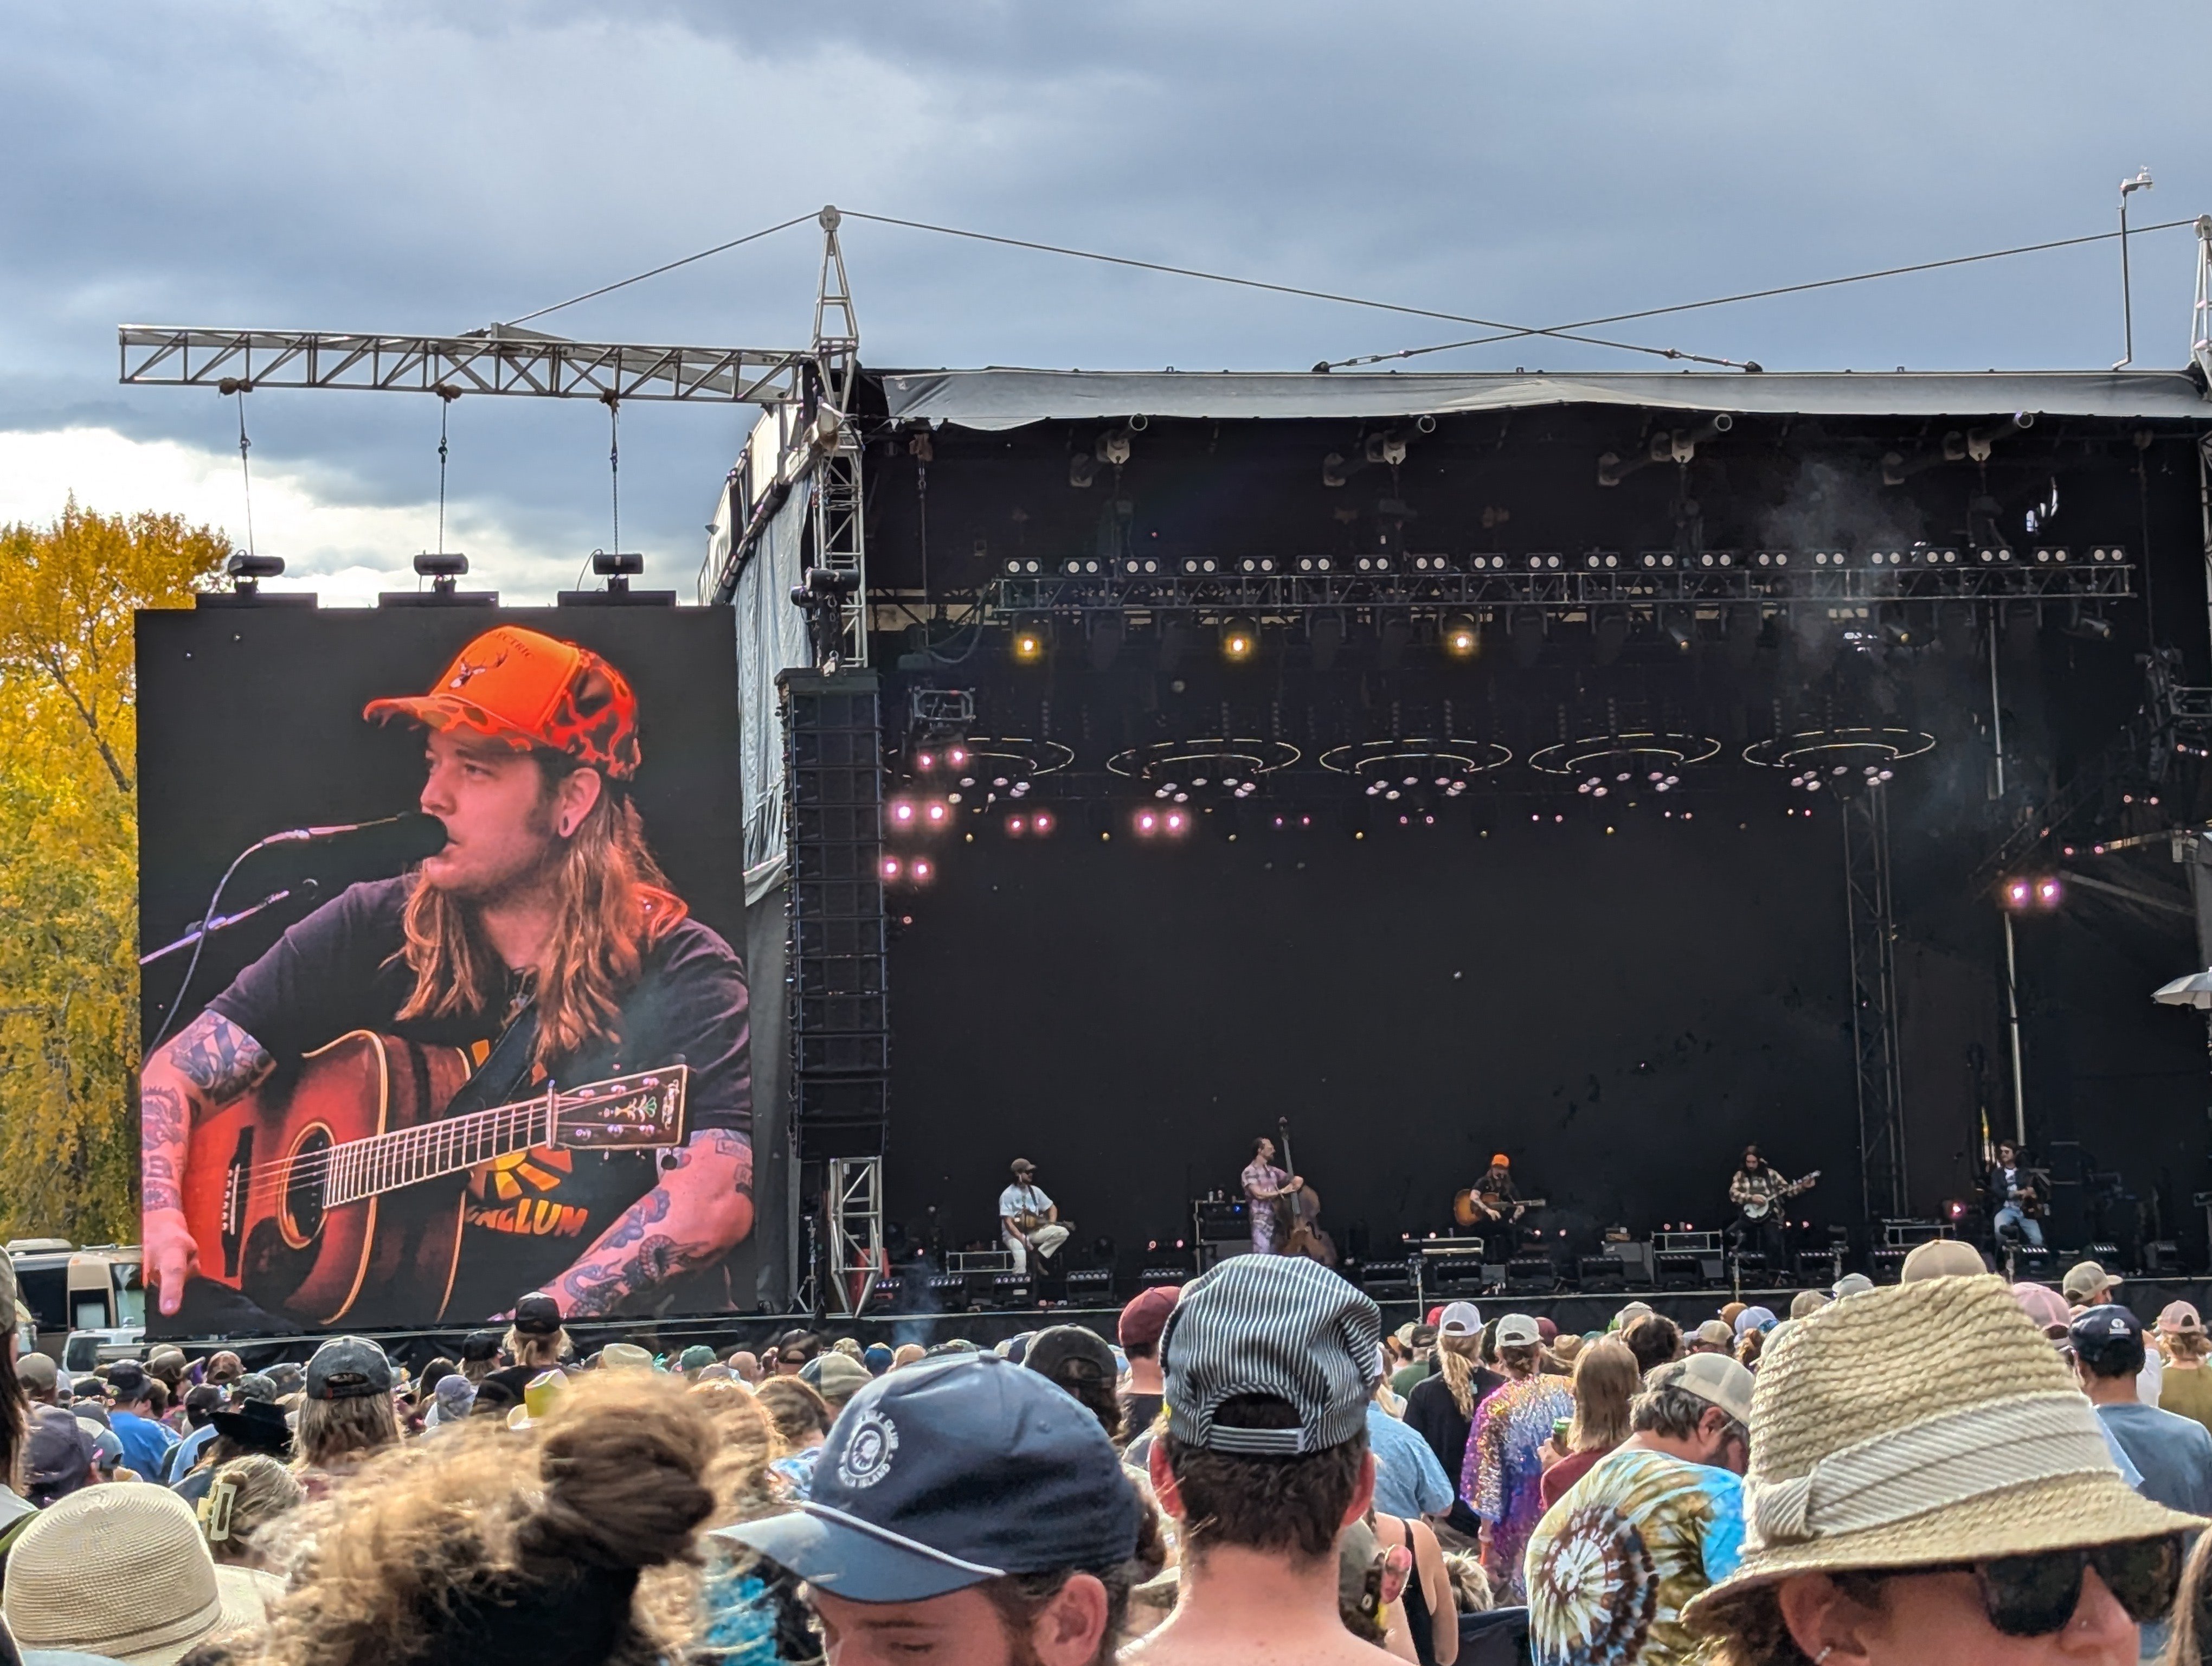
(967, 1509)
(543, 941)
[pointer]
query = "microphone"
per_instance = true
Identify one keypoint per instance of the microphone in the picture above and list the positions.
(411, 837)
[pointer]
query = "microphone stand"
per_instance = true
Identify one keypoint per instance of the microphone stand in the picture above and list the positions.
(305, 890)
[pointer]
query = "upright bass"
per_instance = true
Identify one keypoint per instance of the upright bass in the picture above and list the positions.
(1297, 1214)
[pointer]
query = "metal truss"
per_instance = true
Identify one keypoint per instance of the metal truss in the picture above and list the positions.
(840, 519)
(853, 1198)
(1282, 594)
(500, 360)
(1873, 931)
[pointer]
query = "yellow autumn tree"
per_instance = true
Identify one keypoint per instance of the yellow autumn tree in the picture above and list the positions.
(68, 858)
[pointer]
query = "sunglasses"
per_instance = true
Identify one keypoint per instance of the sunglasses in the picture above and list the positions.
(2035, 1595)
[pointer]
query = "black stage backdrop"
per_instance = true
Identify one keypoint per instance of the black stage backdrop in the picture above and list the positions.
(250, 723)
(1619, 1014)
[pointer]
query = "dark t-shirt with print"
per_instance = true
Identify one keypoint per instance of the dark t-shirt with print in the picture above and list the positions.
(529, 1216)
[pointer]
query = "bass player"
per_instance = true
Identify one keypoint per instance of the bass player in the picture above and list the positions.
(543, 936)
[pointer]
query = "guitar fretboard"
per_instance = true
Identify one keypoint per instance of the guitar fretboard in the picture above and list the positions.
(385, 1162)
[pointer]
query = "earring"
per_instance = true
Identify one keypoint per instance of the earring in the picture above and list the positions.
(1827, 1649)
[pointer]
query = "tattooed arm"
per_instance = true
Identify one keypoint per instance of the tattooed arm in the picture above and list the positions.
(206, 1066)
(701, 1208)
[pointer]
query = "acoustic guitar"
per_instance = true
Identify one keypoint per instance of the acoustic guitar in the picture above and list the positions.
(340, 1195)
(1474, 1208)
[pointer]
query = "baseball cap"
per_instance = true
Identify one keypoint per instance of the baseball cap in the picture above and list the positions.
(1022, 1165)
(253, 1386)
(1500, 1160)
(697, 1356)
(1279, 1326)
(1754, 1318)
(836, 1376)
(1715, 1333)
(126, 1380)
(949, 1472)
(59, 1449)
(1459, 1319)
(2086, 1280)
(1069, 1353)
(480, 1345)
(1806, 1303)
(525, 689)
(2046, 1306)
(347, 1368)
(1633, 1311)
(2105, 1335)
(2178, 1318)
(1713, 1377)
(537, 1315)
(38, 1373)
(1518, 1330)
(1851, 1284)
(877, 1359)
(1146, 1316)
(256, 1426)
(1942, 1258)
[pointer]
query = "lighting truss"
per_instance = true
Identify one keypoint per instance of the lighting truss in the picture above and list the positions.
(501, 360)
(1624, 758)
(1784, 580)
(1228, 766)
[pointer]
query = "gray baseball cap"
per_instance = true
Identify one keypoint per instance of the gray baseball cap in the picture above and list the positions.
(347, 1368)
(1280, 1326)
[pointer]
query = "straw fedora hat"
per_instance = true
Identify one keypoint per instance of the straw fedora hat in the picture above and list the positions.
(122, 1573)
(1926, 1423)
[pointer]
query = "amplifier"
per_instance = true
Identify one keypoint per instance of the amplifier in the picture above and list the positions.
(1220, 1219)
(1693, 1242)
(1451, 1246)
(1636, 1265)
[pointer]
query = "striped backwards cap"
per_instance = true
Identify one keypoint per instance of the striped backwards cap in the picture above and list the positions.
(1275, 1325)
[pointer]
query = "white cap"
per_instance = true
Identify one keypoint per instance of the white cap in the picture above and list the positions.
(1518, 1330)
(1459, 1319)
(1852, 1284)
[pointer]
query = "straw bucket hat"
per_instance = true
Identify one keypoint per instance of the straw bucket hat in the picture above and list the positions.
(122, 1573)
(1925, 1422)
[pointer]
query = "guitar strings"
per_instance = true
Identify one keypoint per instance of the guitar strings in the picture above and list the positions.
(504, 1122)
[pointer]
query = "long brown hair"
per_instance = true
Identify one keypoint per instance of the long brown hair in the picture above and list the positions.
(603, 923)
(1457, 1357)
(1605, 1379)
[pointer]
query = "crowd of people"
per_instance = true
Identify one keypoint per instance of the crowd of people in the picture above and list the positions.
(1251, 1470)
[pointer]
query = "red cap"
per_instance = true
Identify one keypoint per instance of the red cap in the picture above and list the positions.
(1436, 1317)
(1546, 1329)
(529, 689)
(1144, 1318)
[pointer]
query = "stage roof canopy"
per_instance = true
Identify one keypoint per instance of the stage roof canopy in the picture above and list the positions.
(998, 398)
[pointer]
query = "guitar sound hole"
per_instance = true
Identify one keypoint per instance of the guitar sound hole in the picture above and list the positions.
(303, 1187)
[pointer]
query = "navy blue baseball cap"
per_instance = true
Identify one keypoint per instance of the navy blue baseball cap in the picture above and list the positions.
(950, 1473)
(2107, 1336)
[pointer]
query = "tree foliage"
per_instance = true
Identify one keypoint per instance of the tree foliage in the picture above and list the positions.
(68, 858)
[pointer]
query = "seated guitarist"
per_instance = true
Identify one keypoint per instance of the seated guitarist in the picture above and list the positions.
(546, 908)
(2012, 1196)
(1028, 1219)
(1756, 1186)
(1497, 1200)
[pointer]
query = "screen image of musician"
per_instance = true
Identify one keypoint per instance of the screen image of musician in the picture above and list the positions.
(519, 1065)
(2017, 1196)
(1758, 1192)
(1028, 1218)
(1265, 1183)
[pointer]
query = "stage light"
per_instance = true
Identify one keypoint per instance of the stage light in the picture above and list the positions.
(890, 867)
(956, 757)
(1175, 821)
(1028, 644)
(922, 870)
(2046, 892)
(1041, 823)
(902, 813)
(1016, 826)
(1461, 637)
(1148, 822)
(936, 814)
(1239, 637)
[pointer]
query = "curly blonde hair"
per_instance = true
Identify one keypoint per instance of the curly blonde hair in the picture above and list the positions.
(440, 1546)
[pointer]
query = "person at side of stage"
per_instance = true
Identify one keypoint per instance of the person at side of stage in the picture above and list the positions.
(1758, 1183)
(2006, 1187)
(1028, 1219)
(1264, 1183)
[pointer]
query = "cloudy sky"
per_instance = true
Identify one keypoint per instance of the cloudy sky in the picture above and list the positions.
(391, 167)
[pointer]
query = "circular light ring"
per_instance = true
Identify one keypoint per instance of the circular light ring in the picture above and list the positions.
(1247, 756)
(1843, 746)
(1571, 758)
(1417, 752)
(1031, 758)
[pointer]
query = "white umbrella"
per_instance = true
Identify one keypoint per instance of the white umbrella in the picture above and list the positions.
(2194, 990)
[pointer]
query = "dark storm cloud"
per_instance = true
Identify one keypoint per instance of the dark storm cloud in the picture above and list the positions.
(405, 167)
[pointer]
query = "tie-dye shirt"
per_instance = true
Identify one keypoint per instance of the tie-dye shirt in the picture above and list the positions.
(1502, 1474)
(1616, 1560)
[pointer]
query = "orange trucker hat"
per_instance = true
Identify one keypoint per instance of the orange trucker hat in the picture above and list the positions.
(529, 689)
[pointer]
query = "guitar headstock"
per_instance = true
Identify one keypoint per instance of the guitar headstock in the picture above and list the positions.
(640, 1112)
